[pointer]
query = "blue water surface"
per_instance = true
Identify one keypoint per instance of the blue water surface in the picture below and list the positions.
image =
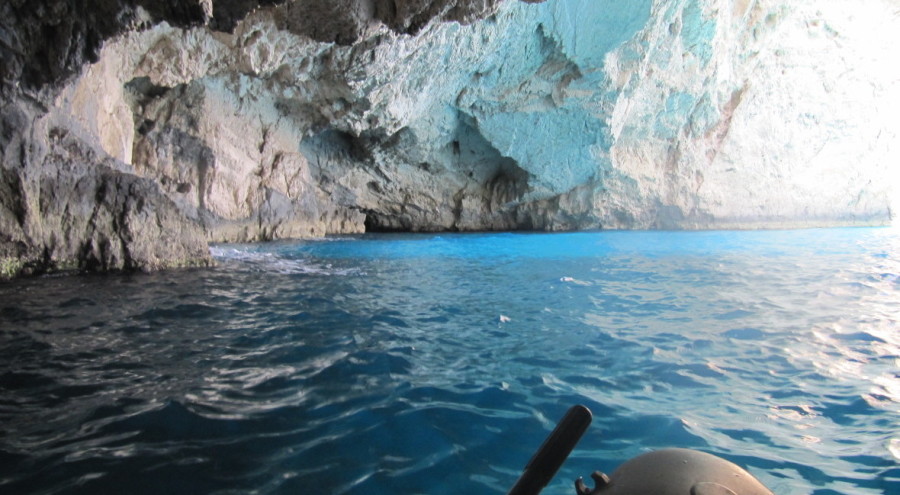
(437, 364)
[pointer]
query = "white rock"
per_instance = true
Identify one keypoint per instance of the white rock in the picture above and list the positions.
(558, 115)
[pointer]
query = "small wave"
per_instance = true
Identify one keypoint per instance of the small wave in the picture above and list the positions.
(270, 262)
(231, 253)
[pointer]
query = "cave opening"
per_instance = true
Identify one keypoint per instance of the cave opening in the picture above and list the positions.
(372, 225)
(377, 223)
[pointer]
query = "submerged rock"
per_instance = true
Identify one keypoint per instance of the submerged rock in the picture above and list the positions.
(135, 132)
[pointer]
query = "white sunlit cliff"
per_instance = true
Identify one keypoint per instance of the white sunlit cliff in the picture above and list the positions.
(305, 118)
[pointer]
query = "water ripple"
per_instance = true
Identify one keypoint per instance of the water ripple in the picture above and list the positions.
(437, 364)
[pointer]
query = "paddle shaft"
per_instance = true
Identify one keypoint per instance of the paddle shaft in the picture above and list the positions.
(553, 452)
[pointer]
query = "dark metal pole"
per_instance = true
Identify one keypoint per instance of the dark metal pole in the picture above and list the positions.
(553, 452)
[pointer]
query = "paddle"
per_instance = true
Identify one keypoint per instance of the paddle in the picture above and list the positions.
(553, 452)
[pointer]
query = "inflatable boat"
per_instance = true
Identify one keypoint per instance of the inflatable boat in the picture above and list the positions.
(672, 471)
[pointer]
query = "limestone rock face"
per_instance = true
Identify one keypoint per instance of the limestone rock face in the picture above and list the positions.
(65, 207)
(760, 114)
(134, 132)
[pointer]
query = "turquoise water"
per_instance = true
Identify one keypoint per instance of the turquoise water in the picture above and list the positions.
(437, 364)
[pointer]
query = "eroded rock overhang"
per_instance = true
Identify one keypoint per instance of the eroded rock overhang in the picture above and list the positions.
(249, 121)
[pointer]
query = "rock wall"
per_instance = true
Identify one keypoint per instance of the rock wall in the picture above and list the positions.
(134, 132)
(764, 113)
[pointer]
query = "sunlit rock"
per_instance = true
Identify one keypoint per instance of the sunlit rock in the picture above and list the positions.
(264, 120)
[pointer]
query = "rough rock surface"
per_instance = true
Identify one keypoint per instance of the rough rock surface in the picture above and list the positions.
(66, 207)
(135, 131)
